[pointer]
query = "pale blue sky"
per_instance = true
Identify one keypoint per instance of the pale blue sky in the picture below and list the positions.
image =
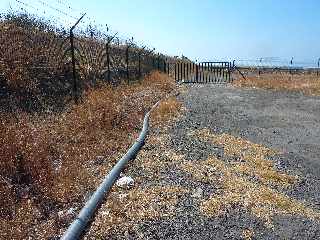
(207, 29)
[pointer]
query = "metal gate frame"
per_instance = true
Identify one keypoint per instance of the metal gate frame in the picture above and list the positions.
(203, 72)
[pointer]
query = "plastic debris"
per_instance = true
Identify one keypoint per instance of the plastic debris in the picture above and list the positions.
(125, 182)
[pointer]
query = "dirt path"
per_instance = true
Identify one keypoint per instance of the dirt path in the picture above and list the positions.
(238, 164)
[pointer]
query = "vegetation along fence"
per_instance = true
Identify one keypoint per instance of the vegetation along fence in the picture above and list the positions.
(37, 58)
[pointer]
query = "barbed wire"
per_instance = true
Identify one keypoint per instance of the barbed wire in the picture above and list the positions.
(64, 18)
(26, 9)
(67, 6)
(56, 9)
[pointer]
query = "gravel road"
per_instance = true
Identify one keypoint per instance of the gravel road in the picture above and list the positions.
(286, 122)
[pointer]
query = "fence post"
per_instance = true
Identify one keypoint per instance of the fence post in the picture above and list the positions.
(74, 74)
(175, 71)
(318, 67)
(260, 66)
(139, 64)
(229, 74)
(223, 70)
(197, 72)
(291, 64)
(127, 63)
(73, 59)
(201, 71)
(150, 57)
(211, 75)
(206, 71)
(153, 62)
(184, 71)
(108, 61)
(158, 60)
(139, 61)
(178, 71)
(108, 55)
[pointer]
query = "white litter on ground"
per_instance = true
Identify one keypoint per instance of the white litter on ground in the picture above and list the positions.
(125, 182)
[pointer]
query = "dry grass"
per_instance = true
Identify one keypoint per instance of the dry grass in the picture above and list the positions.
(159, 81)
(252, 158)
(248, 234)
(248, 183)
(307, 83)
(127, 208)
(168, 109)
(155, 160)
(47, 161)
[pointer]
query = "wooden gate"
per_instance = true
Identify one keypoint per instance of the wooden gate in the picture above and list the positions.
(204, 72)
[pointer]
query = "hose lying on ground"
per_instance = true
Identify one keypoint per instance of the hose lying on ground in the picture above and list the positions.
(80, 223)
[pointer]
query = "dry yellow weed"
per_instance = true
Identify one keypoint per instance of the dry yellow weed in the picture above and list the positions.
(247, 183)
(124, 209)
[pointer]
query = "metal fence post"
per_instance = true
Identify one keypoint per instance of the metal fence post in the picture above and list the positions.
(73, 59)
(108, 61)
(175, 71)
(139, 64)
(229, 75)
(150, 57)
(127, 63)
(197, 72)
(108, 55)
(74, 75)
(139, 61)
(153, 62)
